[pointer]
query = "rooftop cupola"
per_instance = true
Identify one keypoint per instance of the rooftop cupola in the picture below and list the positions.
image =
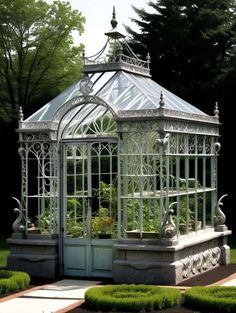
(116, 54)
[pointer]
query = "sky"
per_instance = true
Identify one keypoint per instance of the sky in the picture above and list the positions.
(98, 14)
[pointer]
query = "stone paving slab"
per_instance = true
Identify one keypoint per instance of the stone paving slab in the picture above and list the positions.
(231, 282)
(32, 305)
(51, 298)
(65, 289)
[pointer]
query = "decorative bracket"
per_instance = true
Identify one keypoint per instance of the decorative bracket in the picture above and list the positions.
(163, 141)
(168, 228)
(17, 226)
(86, 85)
(219, 218)
(217, 146)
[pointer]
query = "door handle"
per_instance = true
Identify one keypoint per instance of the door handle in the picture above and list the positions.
(90, 201)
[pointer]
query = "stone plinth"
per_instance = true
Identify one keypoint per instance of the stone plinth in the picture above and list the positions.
(143, 261)
(37, 255)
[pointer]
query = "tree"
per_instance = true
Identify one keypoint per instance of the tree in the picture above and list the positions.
(37, 56)
(189, 44)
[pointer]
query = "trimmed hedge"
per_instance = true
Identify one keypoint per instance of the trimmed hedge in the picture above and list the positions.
(214, 298)
(13, 281)
(132, 298)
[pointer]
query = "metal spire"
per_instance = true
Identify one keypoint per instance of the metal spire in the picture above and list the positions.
(216, 111)
(162, 103)
(114, 33)
(114, 21)
(21, 115)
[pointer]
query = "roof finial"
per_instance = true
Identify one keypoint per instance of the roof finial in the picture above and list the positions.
(114, 21)
(216, 111)
(162, 103)
(148, 57)
(21, 115)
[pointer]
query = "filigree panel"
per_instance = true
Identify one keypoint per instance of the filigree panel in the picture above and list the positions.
(190, 128)
(36, 136)
(201, 261)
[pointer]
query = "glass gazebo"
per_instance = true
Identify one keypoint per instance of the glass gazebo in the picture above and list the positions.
(119, 175)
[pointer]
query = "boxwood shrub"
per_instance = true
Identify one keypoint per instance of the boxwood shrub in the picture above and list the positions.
(13, 281)
(214, 298)
(132, 298)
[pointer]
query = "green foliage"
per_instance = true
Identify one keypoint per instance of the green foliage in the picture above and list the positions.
(102, 222)
(37, 56)
(43, 221)
(232, 244)
(131, 298)
(4, 251)
(192, 46)
(211, 299)
(108, 194)
(12, 281)
(73, 224)
(104, 219)
(150, 215)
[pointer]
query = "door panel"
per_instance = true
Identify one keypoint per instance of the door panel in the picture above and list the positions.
(89, 166)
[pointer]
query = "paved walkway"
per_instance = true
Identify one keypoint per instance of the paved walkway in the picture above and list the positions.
(67, 294)
(57, 297)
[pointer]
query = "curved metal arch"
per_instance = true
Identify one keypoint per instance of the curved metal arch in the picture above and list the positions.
(80, 100)
(61, 112)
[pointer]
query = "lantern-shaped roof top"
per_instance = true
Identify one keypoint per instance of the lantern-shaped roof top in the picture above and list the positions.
(122, 81)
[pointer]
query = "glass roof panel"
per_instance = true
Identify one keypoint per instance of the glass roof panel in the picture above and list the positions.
(125, 91)
(101, 80)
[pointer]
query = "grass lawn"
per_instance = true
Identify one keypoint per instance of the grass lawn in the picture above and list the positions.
(4, 251)
(232, 244)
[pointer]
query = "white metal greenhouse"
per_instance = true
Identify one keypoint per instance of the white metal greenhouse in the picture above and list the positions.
(119, 179)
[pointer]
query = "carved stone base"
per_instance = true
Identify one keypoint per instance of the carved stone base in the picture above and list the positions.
(38, 257)
(161, 264)
(18, 235)
(221, 228)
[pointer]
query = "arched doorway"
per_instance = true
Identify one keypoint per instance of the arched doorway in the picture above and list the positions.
(88, 190)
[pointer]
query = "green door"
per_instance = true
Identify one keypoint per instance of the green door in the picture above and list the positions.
(89, 207)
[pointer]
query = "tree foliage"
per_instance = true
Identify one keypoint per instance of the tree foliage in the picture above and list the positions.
(37, 56)
(191, 43)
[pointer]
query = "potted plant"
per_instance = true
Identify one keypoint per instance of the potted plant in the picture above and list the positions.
(102, 224)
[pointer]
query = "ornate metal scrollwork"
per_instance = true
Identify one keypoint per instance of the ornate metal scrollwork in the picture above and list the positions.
(219, 218)
(217, 147)
(86, 85)
(168, 229)
(17, 226)
(163, 141)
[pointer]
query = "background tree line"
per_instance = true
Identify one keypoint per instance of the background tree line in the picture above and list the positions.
(37, 61)
(192, 48)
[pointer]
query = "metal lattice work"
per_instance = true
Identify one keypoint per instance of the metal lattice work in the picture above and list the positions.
(90, 182)
(155, 166)
(39, 183)
(158, 169)
(140, 166)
